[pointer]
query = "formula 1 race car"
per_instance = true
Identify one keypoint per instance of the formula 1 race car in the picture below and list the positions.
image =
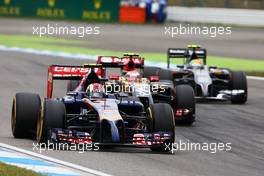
(208, 82)
(151, 88)
(89, 114)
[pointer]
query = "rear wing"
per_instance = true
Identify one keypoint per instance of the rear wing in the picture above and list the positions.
(110, 61)
(185, 53)
(66, 72)
(114, 61)
(139, 61)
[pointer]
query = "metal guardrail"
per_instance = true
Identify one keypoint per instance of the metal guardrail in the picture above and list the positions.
(243, 17)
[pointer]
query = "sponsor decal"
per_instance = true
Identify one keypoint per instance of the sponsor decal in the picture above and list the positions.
(71, 69)
(97, 13)
(7, 9)
(50, 12)
(106, 59)
(135, 60)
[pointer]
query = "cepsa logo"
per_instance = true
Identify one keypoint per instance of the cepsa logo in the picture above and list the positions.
(51, 12)
(71, 70)
(7, 9)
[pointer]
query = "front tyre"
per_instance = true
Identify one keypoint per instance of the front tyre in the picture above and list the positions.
(161, 119)
(52, 116)
(239, 82)
(25, 112)
(184, 100)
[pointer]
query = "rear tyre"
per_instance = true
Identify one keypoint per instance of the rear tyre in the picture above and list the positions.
(184, 99)
(52, 116)
(239, 82)
(72, 84)
(25, 112)
(150, 71)
(161, 119)
(165, 75)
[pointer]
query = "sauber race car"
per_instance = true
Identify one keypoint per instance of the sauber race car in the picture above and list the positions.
(208, 82)
(149, 87)
(89, 114)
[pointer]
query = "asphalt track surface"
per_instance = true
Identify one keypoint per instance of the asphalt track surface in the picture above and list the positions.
(240, 125)
(242, 43)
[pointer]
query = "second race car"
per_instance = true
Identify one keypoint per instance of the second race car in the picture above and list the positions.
(208, 82)
(150, 87)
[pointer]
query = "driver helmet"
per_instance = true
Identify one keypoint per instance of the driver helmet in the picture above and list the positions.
(132, 76)
(196, 62)
(129, 66)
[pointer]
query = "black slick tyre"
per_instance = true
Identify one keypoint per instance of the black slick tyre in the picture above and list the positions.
(25, 112)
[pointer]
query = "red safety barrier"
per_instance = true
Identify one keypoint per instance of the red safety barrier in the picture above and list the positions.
(132, 15)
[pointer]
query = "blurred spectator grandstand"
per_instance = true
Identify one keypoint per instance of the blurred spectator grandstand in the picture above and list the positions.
(244, 4)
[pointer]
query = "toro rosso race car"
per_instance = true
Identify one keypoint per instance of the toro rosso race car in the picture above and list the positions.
(208, 82)
(150, 87)
(89, 114)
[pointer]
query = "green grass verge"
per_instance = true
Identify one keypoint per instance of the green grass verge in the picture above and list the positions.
(80, 47)
(8, 170)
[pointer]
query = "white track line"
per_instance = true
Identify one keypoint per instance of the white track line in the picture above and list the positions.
(14, 155)
(256, 78)
(48, 53)
(53, 160)
(83, 56)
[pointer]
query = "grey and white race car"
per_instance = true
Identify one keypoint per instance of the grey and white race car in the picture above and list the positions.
(208, 82)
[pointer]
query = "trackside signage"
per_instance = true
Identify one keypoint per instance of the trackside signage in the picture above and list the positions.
(86, 10)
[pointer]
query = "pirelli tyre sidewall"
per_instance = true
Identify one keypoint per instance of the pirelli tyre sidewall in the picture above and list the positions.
(25, 112)
(161, 119)
(238, 81)
(52, 116)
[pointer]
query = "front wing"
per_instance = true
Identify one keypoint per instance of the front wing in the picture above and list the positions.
(144, 140)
